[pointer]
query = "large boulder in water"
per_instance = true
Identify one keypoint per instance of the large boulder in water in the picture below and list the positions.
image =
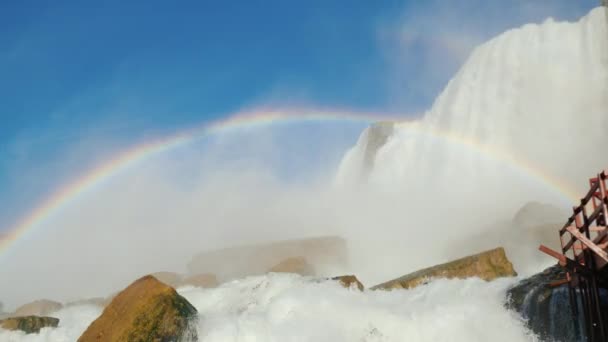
(29, 324)
(546, 308)
(488, 265)
(147, 310)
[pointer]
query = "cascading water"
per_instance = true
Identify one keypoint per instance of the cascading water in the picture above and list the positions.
(528, 104)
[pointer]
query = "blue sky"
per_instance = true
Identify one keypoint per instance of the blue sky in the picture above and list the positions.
(82, 80)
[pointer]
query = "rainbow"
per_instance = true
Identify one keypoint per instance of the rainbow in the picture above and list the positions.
(244, 120)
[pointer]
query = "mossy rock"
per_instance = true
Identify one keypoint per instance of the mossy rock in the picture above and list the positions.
(147, 310)
(29, 324)
(488, 266)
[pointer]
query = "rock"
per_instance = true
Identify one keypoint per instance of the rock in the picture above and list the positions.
(29, 324)
(146, 310)
(537, 303)
(488, 265)
(376, 136)
(349, 281)
(297, 265)
(170, 278)
(41, 307)
(242, 261)
(206, 280)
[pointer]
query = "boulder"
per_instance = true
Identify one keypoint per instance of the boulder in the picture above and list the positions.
(29, 324)
(297, 265)
(488, 265)
(205, 280)
(41, 307)
(349, 281)
(146, 310)
(536, 301)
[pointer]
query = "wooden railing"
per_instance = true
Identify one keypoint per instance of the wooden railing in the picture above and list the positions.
(584, 255)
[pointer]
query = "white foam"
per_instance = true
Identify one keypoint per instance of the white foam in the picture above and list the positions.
(281, 307)
(287, 307)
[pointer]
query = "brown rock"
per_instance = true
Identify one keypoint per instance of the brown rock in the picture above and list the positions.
(41, 307)
(297, 265)
(349, 281)
(201, 280)
(29, 324)
(147, 310)
(488, 265)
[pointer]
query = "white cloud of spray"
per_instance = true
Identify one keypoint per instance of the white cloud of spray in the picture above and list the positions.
(229, 190)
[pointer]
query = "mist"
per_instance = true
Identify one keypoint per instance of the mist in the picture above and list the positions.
(244, 188)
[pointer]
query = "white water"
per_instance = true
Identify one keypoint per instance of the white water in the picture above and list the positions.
(538, 94)
(283, 307)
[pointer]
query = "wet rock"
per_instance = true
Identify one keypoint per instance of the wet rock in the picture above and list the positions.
(29, 324)
(546, 309)
(488, 265)
(147, 310)
(349, 281)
